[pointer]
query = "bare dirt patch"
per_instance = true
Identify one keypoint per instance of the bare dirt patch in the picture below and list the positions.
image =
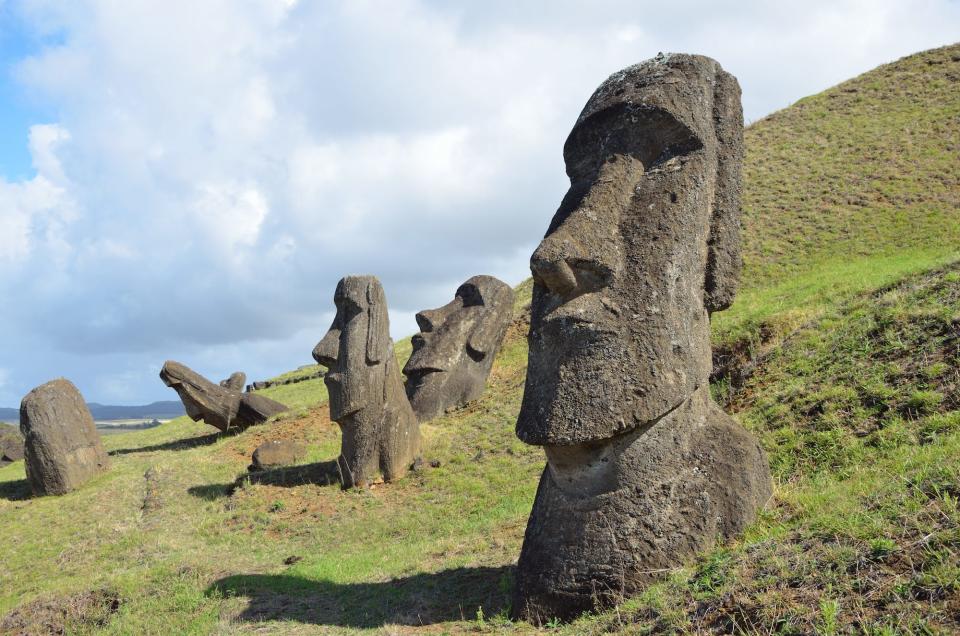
(62, 614)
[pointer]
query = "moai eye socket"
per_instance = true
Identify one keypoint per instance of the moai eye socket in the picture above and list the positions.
(470, 294)
(347, 308)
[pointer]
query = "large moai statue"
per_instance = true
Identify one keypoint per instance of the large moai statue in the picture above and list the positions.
(367, 400)
(643, 468)
(62, 448)
(220, 405)
(454, 351)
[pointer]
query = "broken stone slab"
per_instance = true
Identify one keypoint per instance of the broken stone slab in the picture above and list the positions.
(380, 431)
(643, 468)
(222, 406)
(274, 453)
(62, 448)
(454, 351)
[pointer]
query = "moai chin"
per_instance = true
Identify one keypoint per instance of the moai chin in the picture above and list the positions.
(643, 468)
(454, 351)
(367, 400)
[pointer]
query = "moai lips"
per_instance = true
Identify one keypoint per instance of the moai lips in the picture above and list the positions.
(643, 469)
(454, 351)
(367, 400)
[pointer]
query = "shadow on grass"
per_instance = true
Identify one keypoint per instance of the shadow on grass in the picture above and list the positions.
(421, 599)
(15, 490)
(178, 444)
(321, 473)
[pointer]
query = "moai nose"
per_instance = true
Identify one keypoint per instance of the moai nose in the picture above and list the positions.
(551, 261)
(328, 350)
(427, 320)
(431, 319)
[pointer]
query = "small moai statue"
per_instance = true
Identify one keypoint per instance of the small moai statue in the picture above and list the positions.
(454, 351)
(380, 431)
(62, 448)
(643, 468)
(235, 382)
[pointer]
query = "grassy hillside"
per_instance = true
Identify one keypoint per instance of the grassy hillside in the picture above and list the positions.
(855, 396)
(869, 167)
(846, 191)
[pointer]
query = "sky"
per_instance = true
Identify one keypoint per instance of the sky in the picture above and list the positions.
(189, 179)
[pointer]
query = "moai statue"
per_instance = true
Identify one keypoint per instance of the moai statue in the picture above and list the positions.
(62, 448)
(220, 405)
(643, 468)
(454, 351)
(380, 431)
(235, 382)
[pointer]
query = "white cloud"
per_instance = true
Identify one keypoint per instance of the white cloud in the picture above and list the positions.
(35, 213)
(228, 161)
(230, 214)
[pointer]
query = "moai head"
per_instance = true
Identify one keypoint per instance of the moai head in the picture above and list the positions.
(356, 348)
(454, 351)
(216, 405)
(643, 247)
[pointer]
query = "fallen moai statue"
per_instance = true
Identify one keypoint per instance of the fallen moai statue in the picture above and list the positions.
(235, 382)
(62, 448)
(314, 372)
(11, 445)
(220, 405)
(367, 400)
(643, 468)
(454, 351)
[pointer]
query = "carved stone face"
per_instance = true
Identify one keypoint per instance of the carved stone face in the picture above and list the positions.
(630, 265)
(202, 399)
(356, 347)
(454, 350)
(643, 469)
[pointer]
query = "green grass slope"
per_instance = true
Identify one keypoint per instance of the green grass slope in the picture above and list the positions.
(869, 167)
(855, 395)
(847, 190)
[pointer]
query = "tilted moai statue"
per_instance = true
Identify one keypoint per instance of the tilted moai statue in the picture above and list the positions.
(380, 431)
(454, 351)
(235, 382)
(62, 448)
(643, 468)
(220, 405)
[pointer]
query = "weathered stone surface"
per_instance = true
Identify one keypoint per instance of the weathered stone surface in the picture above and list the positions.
(454, 351)
(255, 409)
(277, 453)
(235, 382)
(11, 445)
(62, 448)
(367, 400)
(643, 469)
(223, 405)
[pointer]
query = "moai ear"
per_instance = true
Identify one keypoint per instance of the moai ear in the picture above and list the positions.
(378, 326)
(483, 334)
(724, 260)
(486, 332)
